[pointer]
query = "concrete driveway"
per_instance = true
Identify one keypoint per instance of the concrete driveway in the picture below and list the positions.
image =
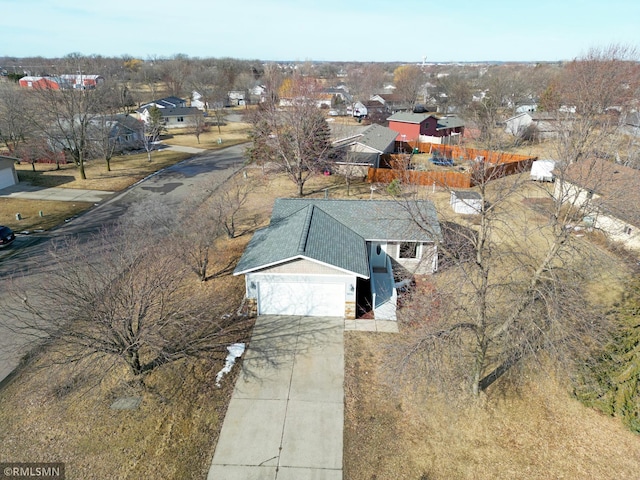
(286, 414)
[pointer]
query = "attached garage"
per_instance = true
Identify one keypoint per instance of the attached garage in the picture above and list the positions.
(8, 176)
(311, 299)
(304, 265)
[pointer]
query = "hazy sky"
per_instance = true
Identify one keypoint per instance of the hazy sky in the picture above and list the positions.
(339, 30)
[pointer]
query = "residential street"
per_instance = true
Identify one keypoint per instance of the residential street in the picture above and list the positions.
(26, 261)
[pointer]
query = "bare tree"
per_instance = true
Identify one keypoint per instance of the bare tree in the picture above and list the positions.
(64, 115)
(174, 73)
(295, 138)
(126, 303)
(149, 75)
(15, 128)
(408, 80)
(226, 203)
(198, 125)
(512, 284)
(152, 129)
(365, 79)
(590, 94)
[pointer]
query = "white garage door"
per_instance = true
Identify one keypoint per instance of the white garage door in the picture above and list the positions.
(6, 178)
(310, 299)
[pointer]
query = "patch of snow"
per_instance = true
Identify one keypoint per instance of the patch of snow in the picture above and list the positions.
(235, 350)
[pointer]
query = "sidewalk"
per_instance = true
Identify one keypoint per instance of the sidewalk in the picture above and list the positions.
(285, 419)
(25, 190)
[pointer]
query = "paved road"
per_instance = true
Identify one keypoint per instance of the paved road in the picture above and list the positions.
(26, 261)
(286, 415)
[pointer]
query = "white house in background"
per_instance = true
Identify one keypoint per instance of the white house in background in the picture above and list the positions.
(237, 97)
(8, 175)
(530, 107)
(183, 117)
(357, 110)
(609, 194)
(196, 101)
(466, 202)
(162, 104)
(324, 257)
(547, 124)
(542, 170)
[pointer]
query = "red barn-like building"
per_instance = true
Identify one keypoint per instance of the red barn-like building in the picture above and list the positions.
(428, 127)
(43, 83)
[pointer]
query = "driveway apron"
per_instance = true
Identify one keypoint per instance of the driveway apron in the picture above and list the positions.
(285, 418)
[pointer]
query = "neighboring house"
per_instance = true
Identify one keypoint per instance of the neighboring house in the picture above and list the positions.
(237, 97)
(610, 195)
(44, 83)
(196, 101)
(364, 148)
(529, 107)
(358, 110)
(632, 124)
(392, 102)
(125, 131)
(182, 117)
(466, 202)
(429, 127)
(546, 124)
(337, 96)
(323, 257)
(8, 175)
(374, 106)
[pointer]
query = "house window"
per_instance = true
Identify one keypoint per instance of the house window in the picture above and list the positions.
(408, 250)
(180, 119)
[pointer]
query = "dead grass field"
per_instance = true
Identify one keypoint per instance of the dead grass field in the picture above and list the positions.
(537, 432)
(62, 413)
(54, 213)
(230, 134)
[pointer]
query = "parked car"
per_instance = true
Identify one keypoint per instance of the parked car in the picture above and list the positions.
(6, 236)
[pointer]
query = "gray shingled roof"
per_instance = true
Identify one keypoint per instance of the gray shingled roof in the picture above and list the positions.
(378, 137)
(449, 122)
(388, 220)
(307, 232)
(467, 195)
(179, 111)
(335, 232)
(410, 117)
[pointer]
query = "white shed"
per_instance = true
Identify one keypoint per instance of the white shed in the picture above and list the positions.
(466, 202)
(8, 175)
(542, 170)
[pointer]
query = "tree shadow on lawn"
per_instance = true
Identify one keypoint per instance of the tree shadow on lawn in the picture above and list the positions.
(38, 179)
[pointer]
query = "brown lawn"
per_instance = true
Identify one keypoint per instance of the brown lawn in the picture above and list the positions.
(53, 213)
(212, 139)
(536, 432)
